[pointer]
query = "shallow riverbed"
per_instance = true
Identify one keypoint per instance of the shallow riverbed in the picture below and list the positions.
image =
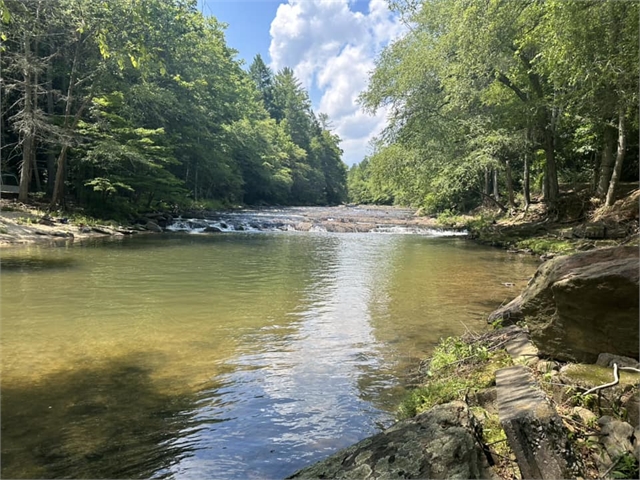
(241, 355)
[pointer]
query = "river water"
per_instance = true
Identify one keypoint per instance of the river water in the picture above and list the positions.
(239, 355)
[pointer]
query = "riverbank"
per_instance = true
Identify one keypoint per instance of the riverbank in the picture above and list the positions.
(22, 224)
(555, 395)
(581, 224)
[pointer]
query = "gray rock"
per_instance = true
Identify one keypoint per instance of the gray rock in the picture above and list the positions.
(616, 436)
(608, 359)
(533, 428)
(581, 305)
(212, 229)
(197, 224)
(585, 415)
(153, 226)
(522, 350)
(102, 230)
(630, 402)
(440, 443)
(590, 230)
(60, 233)
(485, 398)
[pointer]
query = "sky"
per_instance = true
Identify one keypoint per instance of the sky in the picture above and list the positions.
(330, 44)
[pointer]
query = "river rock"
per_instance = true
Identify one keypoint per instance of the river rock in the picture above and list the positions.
(608, 359)
(580, 305)
(212, 229)
(153, 226)
(197, 224)
(616, 436)
(103, 230)
(440, 443)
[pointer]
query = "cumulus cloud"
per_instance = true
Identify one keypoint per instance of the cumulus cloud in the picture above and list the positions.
(331, 48)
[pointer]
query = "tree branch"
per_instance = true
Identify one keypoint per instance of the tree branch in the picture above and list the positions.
(502, 78)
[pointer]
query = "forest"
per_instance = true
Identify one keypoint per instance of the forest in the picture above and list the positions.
(495, 101)
(122, 106)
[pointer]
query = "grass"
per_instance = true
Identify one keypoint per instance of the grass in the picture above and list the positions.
(456, 368)
(544, 245)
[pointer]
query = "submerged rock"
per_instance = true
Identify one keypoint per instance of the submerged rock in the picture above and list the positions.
(440, 443)
(580, 305)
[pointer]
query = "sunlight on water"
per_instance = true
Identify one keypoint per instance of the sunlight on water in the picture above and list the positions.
(230, 356)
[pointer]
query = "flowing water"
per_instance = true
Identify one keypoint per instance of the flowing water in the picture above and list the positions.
(240, 355)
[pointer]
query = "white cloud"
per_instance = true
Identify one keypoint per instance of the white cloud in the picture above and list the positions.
(332, 48)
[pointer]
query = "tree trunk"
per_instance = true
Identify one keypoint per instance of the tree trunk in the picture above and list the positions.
(28, 134)
(617, 169)
(595, 178)
(36, 173)
(487, 182)
(526, 188)
(51, 157)
(496, 192)
(606, 166)
(58, 189)
(551, 174)
(507, 167)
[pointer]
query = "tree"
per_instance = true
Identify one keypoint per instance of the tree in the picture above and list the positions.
(476, 88)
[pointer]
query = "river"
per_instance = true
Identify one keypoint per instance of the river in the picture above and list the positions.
(235, 355)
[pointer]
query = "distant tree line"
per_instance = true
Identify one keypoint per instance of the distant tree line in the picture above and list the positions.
(491, 100)
(124, 105)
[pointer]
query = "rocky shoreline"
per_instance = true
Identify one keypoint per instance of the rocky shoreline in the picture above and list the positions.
(516, 402)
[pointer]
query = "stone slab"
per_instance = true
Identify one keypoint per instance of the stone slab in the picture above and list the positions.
(533, 428)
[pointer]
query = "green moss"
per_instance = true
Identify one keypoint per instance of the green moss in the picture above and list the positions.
(594, 375)
(543, 245)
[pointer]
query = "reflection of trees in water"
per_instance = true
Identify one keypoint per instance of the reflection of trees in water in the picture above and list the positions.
(35, 263)
(109, 421)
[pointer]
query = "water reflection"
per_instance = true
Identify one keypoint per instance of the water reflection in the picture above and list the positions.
(236, 356)
(35, 263)
(299, 399)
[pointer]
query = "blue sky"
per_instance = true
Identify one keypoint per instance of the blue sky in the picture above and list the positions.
(331, 46)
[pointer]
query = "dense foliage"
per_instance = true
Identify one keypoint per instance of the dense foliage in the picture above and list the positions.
(133, 104)
(490, 98)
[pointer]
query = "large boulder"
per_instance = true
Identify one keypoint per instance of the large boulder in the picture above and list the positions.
(440, 443)
(581, 305)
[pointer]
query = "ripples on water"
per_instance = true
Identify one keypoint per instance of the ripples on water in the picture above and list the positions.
(234, 356)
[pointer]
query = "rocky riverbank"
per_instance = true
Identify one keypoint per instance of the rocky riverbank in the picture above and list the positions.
(515, 402)
(579, 225)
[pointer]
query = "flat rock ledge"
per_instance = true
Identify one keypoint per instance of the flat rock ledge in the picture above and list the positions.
(439, 443)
